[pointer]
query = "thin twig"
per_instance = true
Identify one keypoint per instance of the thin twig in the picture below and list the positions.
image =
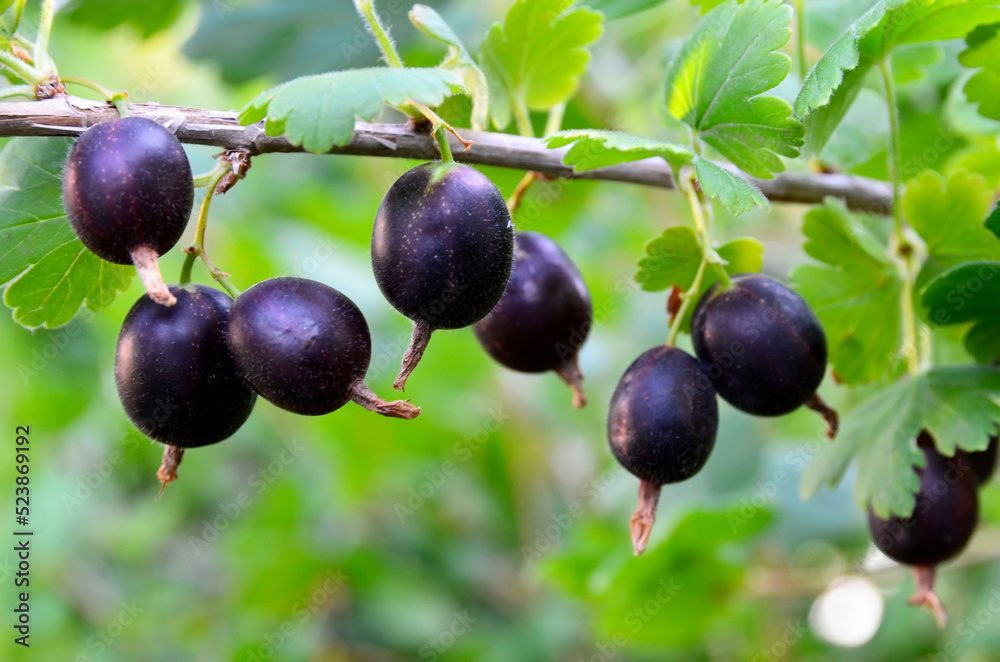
(67, 115)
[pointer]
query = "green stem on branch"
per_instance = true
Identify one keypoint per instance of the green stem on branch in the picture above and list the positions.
(41, 54)
(197, 249)
(523, 118)
(105, 93)
(903, 247)
(367, 10)
(21, 69)
(800, 38)
(552, 125)
(17, 91)
(119, 102)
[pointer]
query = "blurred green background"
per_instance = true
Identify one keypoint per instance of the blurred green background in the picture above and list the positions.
(494, 526)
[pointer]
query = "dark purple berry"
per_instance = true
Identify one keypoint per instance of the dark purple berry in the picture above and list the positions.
(761, 344)
(984, 462)
(662, 425)
(175, 377)
(442, 246)
(305, 347)
(128, 192)
(544, 315)
(942, 523)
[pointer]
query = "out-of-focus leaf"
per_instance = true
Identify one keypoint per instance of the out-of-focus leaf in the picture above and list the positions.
(148, 16)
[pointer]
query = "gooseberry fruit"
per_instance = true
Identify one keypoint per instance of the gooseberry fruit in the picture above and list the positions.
(305, 347)
(544, 315)
(662, 425)
(442, 246)
(128, 192)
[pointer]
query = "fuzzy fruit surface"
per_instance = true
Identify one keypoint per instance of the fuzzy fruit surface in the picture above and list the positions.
(984, 462)
(175, 377)
(664, 417)
(128, 183)
(544, 315)
(301, 344)
(442, 245)
(761, 344)
(943, 519)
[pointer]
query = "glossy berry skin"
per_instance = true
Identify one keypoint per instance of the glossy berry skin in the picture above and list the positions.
(545, 313)
(442, 245)
(175, 377)
(301, 344)
(664, 417)
(761, 344)
(984, 462)
(128, 183)
(943, 519)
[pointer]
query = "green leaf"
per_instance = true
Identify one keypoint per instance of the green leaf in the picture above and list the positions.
(970, 291)
(592, 148)
(535, 58)
(671, 260)
(148, 16)
(948, 215)
(982, 341)
(855, 292)
(615, 9)
(459, 59)
(835, 81)
(983, 51)
(958, 405)
(50, 273)
(910, 63)
(735, 193)
(318, 112)
(596, 149)
(716, 83)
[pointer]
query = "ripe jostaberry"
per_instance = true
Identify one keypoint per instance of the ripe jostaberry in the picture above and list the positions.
(544, 315)
(305, 347)
(942, 523)
(128, 191)
(662, 425)
(762, 346)
(442, 246)
(175, 376)
(984, 462)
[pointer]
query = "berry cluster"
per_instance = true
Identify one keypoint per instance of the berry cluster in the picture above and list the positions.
(191, 362)
(759, 346)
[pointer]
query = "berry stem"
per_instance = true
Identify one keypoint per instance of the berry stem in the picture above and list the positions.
(687, 185)
(904, 249)
(829, 414)
(642, 521)
(144, 259)
(571, 374)
(120, 105)
(364, 396)
(197, 248)
(411, 357)
(167, 473)
(104, 92)
(924, 576)
(442, 141)
(41, 54)
(520, 190)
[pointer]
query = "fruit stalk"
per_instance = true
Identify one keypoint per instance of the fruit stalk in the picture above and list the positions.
(167, 473)
(364, 396)
(411, 357)
(144, 259)
(197, 248)
(641, 524)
